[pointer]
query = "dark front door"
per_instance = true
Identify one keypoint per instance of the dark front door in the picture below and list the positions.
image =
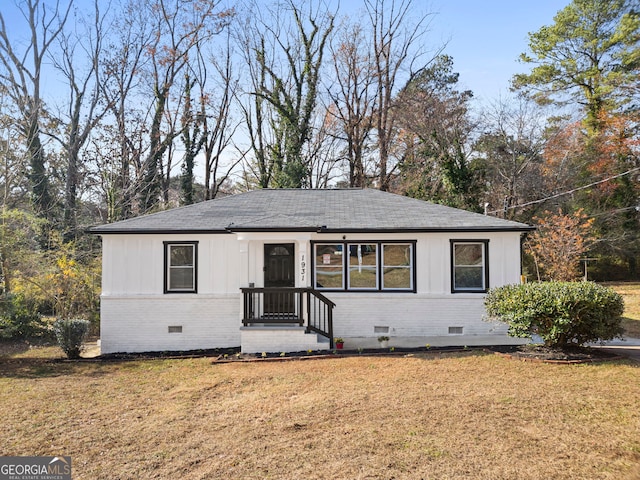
(279, 272)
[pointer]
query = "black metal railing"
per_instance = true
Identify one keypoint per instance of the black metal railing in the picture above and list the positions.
(320, 314)
(302, 306)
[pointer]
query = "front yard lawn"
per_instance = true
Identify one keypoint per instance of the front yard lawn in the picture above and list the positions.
(631, 294)
(469, 415)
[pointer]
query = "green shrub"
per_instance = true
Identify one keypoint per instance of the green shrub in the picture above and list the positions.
(71, 335)
(20, 319)
(562, 313)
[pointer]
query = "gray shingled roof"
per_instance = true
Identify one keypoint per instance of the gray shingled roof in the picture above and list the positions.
(347, 210)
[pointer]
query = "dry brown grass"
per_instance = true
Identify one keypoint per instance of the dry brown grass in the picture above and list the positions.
(471, 416)
(631, 294)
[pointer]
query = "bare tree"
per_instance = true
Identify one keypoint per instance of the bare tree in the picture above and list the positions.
(255, 110)
(14, 186)
(192, 141)
(352, 95)
(397, 33)
(212, 128)
(178, 26)
(21, 75)
(119, 169)
(323, 150)
(218, 125)
(512, 144)
(78, 57)
(288, 87)
(149, 84)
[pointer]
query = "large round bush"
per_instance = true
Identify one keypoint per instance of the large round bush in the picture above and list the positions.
(562, 313)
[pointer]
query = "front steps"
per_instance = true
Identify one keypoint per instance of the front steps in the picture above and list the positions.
(280, 338)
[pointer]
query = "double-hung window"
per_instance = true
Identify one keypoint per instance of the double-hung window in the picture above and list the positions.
(365, 266)
(180, 267)
(469, 266)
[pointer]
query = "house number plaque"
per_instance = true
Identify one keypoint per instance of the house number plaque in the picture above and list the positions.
(303, 268)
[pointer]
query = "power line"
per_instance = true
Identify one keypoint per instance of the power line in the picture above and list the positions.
(534, 202)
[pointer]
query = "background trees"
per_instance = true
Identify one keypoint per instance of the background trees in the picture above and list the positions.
(397, 32)
(436, 129)
(590, 55)
(22, 77)
(352, 98)
(559, 243)
(510, 149)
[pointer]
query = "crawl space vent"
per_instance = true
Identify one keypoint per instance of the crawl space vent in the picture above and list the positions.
(175, 329)
(380, 329)
(455, 330)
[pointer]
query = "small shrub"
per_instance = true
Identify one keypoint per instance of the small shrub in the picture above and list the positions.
(562, 313)
(71, 335)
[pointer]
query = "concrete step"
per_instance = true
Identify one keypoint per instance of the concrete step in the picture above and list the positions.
(280, 338)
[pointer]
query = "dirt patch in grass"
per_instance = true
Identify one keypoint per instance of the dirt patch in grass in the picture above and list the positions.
(210, 353)
(555, 355)
(426, 415)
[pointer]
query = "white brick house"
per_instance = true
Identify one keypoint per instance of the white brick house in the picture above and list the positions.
(312, 265)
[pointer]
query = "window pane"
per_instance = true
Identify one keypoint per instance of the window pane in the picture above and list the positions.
(328, 255)
(469, 278)
(279, 250)
(363, 266)
(329, 266)
(396, 255)
(330, 277)
(357, 266)
(397, 271)
(363, 277)
(181, 255)
(397, 277)
(181, 278)
(362, 254)
(181, 267)
(468, 254)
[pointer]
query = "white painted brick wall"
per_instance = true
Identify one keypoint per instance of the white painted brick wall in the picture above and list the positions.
(409, 315)
(141, 323)
(280, 339)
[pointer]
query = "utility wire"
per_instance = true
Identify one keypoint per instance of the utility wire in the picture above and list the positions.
(534, 202)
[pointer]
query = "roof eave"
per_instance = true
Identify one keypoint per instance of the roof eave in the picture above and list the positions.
(428, 230)
(274, 229)
(151, 231)
(323, 230)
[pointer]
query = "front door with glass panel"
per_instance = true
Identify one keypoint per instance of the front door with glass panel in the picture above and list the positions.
(279, 272)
